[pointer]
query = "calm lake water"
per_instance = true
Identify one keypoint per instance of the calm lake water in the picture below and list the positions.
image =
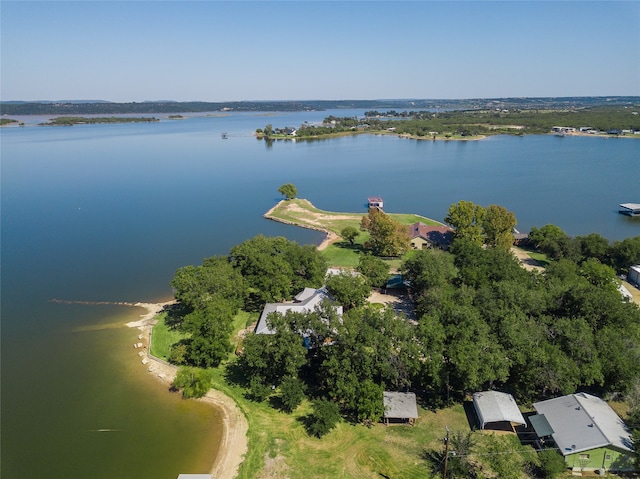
(109, 212)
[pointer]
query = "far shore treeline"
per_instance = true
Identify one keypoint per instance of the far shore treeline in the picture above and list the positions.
(479, 321)
(104, 107)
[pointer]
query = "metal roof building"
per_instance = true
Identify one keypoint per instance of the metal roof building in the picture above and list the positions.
(589, 434)
(304, 302)
(496, 407)
(400, 406)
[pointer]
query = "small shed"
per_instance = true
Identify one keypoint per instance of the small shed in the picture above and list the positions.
(497, 410)
(399, 407)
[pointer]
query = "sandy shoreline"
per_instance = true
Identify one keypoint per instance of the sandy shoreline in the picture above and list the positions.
(234, 444)
(329, 239)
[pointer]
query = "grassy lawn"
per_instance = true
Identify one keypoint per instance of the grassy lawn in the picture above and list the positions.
(279, 445)
(163, 337)
(302, 213)
(539, 257)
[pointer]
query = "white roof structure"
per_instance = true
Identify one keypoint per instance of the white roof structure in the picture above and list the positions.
(400, 405)
(495, 406)
(304, 302)
(582, 422)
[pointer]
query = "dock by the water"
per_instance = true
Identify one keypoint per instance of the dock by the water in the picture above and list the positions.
(630, 209)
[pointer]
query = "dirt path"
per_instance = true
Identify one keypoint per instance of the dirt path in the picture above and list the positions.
(526, 261)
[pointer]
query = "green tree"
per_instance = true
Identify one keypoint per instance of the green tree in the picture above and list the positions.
(594, 245)
(210, 330)
(497, 226)
(600, 275)
(350, 234)
(625, 253)
(374, 269)
(195, 286)
(194, 382)
(466, 218)
(273, 357)
(275, 268)
(268, 130)
(461, 445)
(387, 236)
(325, 416)
(428, 268)
(555, 243)
(291, 393)
(350, 291)
(552, 463)
(369, 402)
(288, 190)
(513, 464)
(258, 391)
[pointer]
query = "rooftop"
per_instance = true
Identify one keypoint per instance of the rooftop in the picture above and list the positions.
(305, 301)
(582, 422)
(495, 406)
(400, 405)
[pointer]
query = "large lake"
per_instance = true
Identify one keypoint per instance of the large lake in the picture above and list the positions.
(109, 212)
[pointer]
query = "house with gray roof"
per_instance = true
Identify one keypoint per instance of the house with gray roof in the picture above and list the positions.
(587, 432)
(497, 410)
(305, 301)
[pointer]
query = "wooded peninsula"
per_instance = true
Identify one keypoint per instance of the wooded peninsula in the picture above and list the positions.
(470, 124)
(470, 317)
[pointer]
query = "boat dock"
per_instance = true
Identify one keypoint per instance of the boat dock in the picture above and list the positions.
(630, 209)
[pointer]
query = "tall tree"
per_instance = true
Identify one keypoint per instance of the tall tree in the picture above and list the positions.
(374, 269)
(466, 218)
(210, 329)
(497, 226)
(428, 268)
(350, 291)
(273, 357)
(387, 236)
(195, 286)
(275, 268)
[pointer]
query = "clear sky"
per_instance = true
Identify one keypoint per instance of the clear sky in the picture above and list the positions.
(297, 50)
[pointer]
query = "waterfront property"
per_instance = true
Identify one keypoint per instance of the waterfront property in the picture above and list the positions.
(399, 407)
(305, 301)
(425, 236)
(497, 410)
(588, 433)
(630, 209)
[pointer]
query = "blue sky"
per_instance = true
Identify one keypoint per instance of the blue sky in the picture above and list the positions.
(296, 50)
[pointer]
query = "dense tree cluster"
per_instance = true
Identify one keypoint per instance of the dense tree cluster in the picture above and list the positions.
(557, 245)
(275, 269)
(492, 226)
(482, 321)
(260, 270)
